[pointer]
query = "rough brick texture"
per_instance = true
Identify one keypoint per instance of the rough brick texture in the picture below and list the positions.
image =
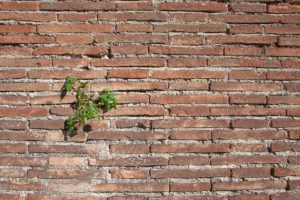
(208, 91)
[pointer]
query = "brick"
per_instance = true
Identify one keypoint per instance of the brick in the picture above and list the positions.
(129, 86)
(13, 74)
(250, 197)
(21, 185)
(286, 196)
(75, 187)
(190, 123)
(46, 124)
(15, 51)
(76, 16)
(241, 40)
(281, 172)
(44, 100)
(131, 187)
(25, 62)
(190, 187)
(186, 50)
(66, 197)
(13, 124)
(190, 135)
(249, 28)
(190, 173)
(249, 185)
(73, 149)
(188, 197)
(292, 87)
(188, 99)
(23, 161)
(242, 62)
(127, 135)
(189, 148)
(188, 85)
(74, 39)
(140, 5)
(77, 6)
(68, 161)
(241, 147)
(245, 19)
(133, 38)
(274, 75)
(11, 196)
(129, 49)
(193, 6)
(130, 149)
(294, 134)
(286, 19)
(293, 112)
(62, 74)
(249, 134)
(187, 74)
(286, 30)
(132, 98)
(130, 174)
(281, 146)
(23, 112)
(294, 184)
(21, 136)
(128, 73)
(282, 52)
(65, 174)
(187, 40)
(243, 51)
(192, 160)
(35, 17)
(190, 28)
(247, 75)
(254, 159)
(248, 8)
(237, 86)
(247, 99)
(250, 123)
(251, 172)
(19, 6)
(13, 173)
(189, 17)
(13, 148)
(68, 50)
(17, 29)
(187, 62)
(283, 9)
(189, 111)
(138, 111)
(280, 123)
(20, 39)
(134, 28)
(246, 111)
(294, 160)
(139, 123)
(129, 62)
(129, 16)
(74, 28)
(71, 63)
(129, 161)
(288, 41)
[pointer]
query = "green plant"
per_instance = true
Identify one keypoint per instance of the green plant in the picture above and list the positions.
(87, 106)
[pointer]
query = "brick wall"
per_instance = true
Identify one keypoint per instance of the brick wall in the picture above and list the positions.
(208, 92)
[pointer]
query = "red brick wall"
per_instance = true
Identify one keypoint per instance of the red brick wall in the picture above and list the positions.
(208, 92)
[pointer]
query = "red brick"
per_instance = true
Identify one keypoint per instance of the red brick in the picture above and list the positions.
(190, 173)
(68, 161)
(127, 135)
(245, 19)
(65, 197)
(251, 172)
(13, 148)
(190, 187)
(247, 75)
(281, 75)
(23, 112)
(290, 19)
(190, 28)
(281, 172)
(131, 187)
(283, 9)
(130, 174)
(294, 184)
(188, 99)
(186, 50)
(188, 85)
(292, 87)
(129, 62)
(19, 6)
(22, 136)
(282, 52)
(250, 197)
(187, 74)
(25, 62)
(73, 149)
(15, 73)
(241, 39)
(189, 148)
(65, 174)
(242, 62)
(249, 185)
(13, 124)
(193, 6)
(282, 123)
(17, 29)
(251, 8)
(253, 147)
(62, 74)
(129, 161)
(76, 187)
(250, 123)
(189, 111)
(74, 28)
(21, 185)
(190, 135)
(77, 6)
(132, 98)
(286, 30)
(128, 73)
(69, 50)
(189, 17)
(241, 51)
(192, 160)
(133, 38)
(134, 28)
(130, 148)
(130, 49)
(139, 5)
(20, 39)
(129, 16)
(294, 134)
(282, 146)
(128, 86)
(249, 134)
(190, 123)
(47, 124)
(187, 40)
(35, 17)
(13, 173)
(286, 196)
(247, 99)
(139, 123)
(254, 159)
(23, 161)
(36, 100)
(249, 28)
(138, 111)
(71, 63)
(289, 41)
(237, 86)
(77, 16)
(187, 62)
(74, 39)
(12, 196)
(246, 111)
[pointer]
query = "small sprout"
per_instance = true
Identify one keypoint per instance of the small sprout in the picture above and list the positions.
(87, 106)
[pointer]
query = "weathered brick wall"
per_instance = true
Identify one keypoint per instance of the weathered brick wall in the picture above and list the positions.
(208, 92)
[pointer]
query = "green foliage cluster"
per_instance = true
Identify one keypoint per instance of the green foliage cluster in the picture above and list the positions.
(87, 106)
